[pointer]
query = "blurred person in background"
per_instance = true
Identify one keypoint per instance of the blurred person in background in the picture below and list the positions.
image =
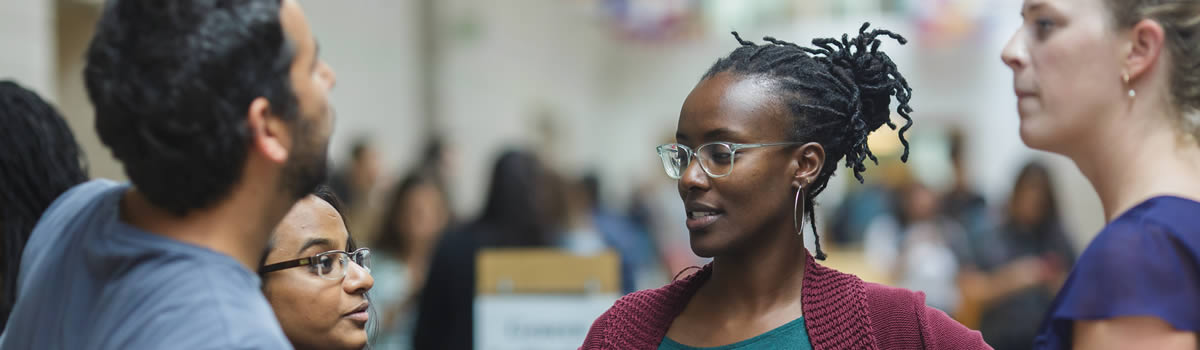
(439, 160)
(415, 214)
(962, 203)
(766, 127)
(861, 206)
(522, 209)
(39, 160)
(1114, 85)
(1023, 265)
(857, 210)
(590, 228)
(581, 233)
(218, 112)
(922, 248)
(316, 277)
(354, 183)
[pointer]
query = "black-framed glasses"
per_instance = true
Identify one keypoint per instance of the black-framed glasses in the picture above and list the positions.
(330, 265)
(716, 158)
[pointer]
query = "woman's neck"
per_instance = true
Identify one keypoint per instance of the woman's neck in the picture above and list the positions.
(768, 276)
(1136, 164)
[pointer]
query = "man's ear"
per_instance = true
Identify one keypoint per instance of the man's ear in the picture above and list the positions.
(269, 135)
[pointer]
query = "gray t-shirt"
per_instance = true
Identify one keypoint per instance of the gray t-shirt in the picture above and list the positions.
(90, 281)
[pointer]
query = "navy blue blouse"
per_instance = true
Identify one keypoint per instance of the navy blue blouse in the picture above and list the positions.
(1146, 262)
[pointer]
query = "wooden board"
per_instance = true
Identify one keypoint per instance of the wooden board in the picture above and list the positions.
(545, 271)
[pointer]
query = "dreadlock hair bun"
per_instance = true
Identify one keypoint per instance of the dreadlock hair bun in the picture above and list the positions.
(876, 79)
(874, 73)
(838, 91)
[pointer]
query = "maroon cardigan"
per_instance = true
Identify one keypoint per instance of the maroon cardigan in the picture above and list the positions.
(840, 311)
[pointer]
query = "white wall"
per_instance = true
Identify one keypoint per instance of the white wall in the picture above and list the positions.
(524, 59)
(372, 47)
(76, 25)
(27, 40)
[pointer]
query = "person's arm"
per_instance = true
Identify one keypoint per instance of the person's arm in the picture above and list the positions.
(901, 320)
(1056, 273)
(1142, 332)
(1013, 277)
(1059, 261)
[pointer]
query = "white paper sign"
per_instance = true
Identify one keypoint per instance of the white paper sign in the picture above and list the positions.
(536, 322)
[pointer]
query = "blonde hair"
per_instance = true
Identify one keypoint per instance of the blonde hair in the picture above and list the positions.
(1180, 20)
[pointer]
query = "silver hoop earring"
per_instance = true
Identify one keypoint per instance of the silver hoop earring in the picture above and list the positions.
(796, 221)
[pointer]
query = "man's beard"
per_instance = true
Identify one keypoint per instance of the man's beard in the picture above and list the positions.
(307, 168)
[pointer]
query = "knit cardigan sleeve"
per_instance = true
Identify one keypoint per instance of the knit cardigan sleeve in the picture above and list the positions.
(901, 320)
(639, 320)
(942, 332)
(596, 334)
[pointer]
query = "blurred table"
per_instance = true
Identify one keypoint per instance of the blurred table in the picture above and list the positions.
(852, 260)
(541, 299)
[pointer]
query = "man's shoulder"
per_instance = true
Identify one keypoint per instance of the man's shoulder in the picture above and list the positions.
(82, 195)
(74, 202)
(206, 311)
(208, 286)
(199, 309)
(60, 223)
(70, 207)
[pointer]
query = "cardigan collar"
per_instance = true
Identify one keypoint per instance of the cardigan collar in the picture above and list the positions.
(834, 305)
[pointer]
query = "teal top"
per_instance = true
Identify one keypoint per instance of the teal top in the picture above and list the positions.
(791, 336)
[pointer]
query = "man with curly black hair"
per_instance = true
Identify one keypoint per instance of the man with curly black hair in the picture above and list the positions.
(217, 110)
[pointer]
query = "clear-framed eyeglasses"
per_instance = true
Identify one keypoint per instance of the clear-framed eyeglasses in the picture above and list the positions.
(330, 265)
(716, 158)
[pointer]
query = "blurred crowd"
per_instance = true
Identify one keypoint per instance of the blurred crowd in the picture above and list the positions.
(226, 225)
(413, 230)
(993, 266)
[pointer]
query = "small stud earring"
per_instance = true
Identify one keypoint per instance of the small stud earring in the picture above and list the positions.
(1125, 77)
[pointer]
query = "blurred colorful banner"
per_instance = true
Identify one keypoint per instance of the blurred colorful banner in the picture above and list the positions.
(948, 23)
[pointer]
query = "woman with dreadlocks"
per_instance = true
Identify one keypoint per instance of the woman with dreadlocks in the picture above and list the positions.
(758, 139)
(39, 160)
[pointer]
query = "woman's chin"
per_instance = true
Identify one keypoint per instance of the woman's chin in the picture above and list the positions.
(358, 345)
(1038, 138)
(708, 246)
(353, 340)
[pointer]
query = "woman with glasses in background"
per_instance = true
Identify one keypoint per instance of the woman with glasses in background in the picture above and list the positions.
(758, 139)
(315, 277)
